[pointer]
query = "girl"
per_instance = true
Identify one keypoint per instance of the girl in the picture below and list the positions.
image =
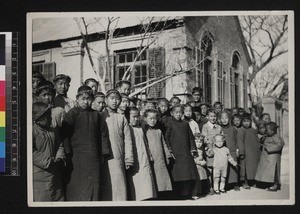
(248, 150)
(187, 116)
(181, 141)
(141, 181)
(114, 179)
(93, 84)
(268, 169)
(230, 139)
(221, 156)
(160, 153)
(48, 156)
(86, 143)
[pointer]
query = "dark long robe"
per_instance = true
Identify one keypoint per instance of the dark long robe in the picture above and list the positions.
(180, 140)
(230, 139)
(86, 142)
(248, 145)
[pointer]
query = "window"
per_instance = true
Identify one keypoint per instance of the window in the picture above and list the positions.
(232, 87)
(47, 69)
(124, 59)
(234, 79)
(220, 82)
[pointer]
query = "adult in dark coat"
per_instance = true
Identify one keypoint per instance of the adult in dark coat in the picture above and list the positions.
(86, 143)
(181, 142)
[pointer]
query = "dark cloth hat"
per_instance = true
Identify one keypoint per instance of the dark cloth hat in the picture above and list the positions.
(113, 91)
(37, 74)
(45, 85)
(62, 76)
(118, 84)
(99, 94)
(85, 90)
(246, 116)
(39, 109)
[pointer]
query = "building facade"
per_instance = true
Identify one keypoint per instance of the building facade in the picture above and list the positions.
(210, 50)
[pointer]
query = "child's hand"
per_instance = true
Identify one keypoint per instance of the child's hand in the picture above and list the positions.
(202, 163)
(128, 167)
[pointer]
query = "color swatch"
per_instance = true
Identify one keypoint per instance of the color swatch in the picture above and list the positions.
(2, 103)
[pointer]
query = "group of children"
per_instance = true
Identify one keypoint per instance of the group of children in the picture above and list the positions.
(111, 147)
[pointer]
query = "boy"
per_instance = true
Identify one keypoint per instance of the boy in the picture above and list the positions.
(174, 101)
(141, 180)
(86, 143)
(93, 84)
(37, 78)
(163, 114)
(218, 107)
(98, 103)
(197, 95)
(209, 130)
(124, 104)
(248, 150)
(114, 181)
(48, 156)
(123, 86)
(61, 85)
(266, 117)
(236, 121)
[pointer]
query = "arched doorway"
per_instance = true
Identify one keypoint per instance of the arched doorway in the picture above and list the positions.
(234, 79)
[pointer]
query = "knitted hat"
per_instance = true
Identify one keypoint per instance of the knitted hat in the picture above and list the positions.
(62, 76)
(39, 109)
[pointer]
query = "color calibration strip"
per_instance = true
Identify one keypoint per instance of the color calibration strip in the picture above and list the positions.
(9, 104)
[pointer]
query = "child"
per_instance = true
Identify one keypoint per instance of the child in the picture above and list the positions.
(181, 141)
(236, 121)
(61, 85)
(191, 103)
(86, 144)
(123, 86)
(174, 101)
(221, 156)
(160, 153)
(268, 169)
(37, 78)
(187, 116)
(197, 95)
(45, 93)
(141, 180)
(266, 117)
(261, 127)
(201, 114)
(98, 103)
(163, 114)
(93, 84)
(201, 182)
(234, 111)
(124, 104)
(230, 139)
(248, 150)
(209, 130)
(114, 179)
(48, 156)
(218, 108)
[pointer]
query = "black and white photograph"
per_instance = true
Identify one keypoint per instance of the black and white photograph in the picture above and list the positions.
(160, 108)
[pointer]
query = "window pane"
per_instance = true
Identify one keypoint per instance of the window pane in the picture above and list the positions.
(137, 80)
(121, 73)
(144, 55)
(144, 70)
(121, 58)
(129, 57)
(137, 71)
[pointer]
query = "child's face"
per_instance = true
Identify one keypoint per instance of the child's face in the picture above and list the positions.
(163, 107)
(212, 117)
(193, 104)
(113, 101)
(218, 108)
(45, 96)
(98, 104)
(266, 118)
(204, 110)
(35, 82)
(175, 102)
(177, 113)
(61, 86)
(262, 130)
(219, 141)
(235, 111)
(93, 85)
(139, 104)
(151, 119)
(236, 122)
(149, 105)
(45, 120)
(134, 118)
(125, 88)
(84, 101)
(124, 104)
(197, 116)
(224, 119)
(269, 130)
(199, 142)
(188, 112)
(196, 96)
(246, 123)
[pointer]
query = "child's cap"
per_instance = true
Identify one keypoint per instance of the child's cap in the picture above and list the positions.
(273, 125)
(99, 94)
(37, 74)
(123, 95)
(90, 80)
(198, 135)
(246, 115)
(204, 104)
(62, 76)
(85, 90)
(44, 85)
(197, 89)
(39, 109)
(197, 109)
(113, 91)
(261, 123)
(121, 82)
